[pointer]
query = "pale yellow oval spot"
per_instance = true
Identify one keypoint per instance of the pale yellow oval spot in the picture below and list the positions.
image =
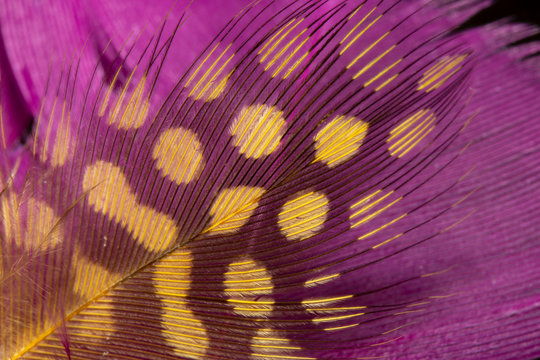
(131, 109)
(439, 73)
(285, 50)
(247, 277)
(407, 134)
(232, 209)
(339, 140)
(257, 130)
(110, 194)
(178, 155)
(209, 80)
(303, 215)
(89, 278)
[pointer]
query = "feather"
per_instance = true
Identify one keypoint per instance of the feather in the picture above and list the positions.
(238, 215)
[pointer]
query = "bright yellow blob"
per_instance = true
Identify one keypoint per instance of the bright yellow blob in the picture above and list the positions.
(257, 130)
(339, 140)
(303, 215)
(178, 155)
(232, 209)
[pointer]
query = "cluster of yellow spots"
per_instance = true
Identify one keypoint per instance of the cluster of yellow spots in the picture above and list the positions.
(303, 215)
(179, 155)
(285, 50)
(110, 194)
(209, 84)
(257, 130)
(339, 140)
(232, 209)
(439, 73)
(31, 224)
(408, 133)
(130, 110)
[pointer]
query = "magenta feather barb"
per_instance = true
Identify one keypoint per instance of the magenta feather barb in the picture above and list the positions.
(268, 180)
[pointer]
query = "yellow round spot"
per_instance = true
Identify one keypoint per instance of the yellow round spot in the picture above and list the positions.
(232, 209)
(303, 215)
(257, 130)
(178, 155)
(339, 140)
(247, 277)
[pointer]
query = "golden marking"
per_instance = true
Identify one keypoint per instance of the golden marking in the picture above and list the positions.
(339, 140)
(384, 71)
(373, 62)
(438, 74)
(110, 194)
(210, 84)
(365, 214)
(354, 29)
(232, 209)
(321, 280)
(86, 272)
(130, 114)
(386, 83)
(179, 155)
(404, 137)
(258, 130)
(303, 215)
(366, 50)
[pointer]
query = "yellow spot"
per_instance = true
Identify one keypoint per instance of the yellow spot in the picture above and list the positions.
(369, 207)
(178, 155)
(258, 130)
(131, 110)
(232, 209)
(439, 73)
(304, 215)
(110, 194)
(359, 34)
(174, 271)
(269, 341)
(339, 140)
(184, 332)
(62, 142)
(321, 280)
(247, 277)
(209, 79)
(285, 51)
(32, 224)
(89, 277)
(404, 137)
